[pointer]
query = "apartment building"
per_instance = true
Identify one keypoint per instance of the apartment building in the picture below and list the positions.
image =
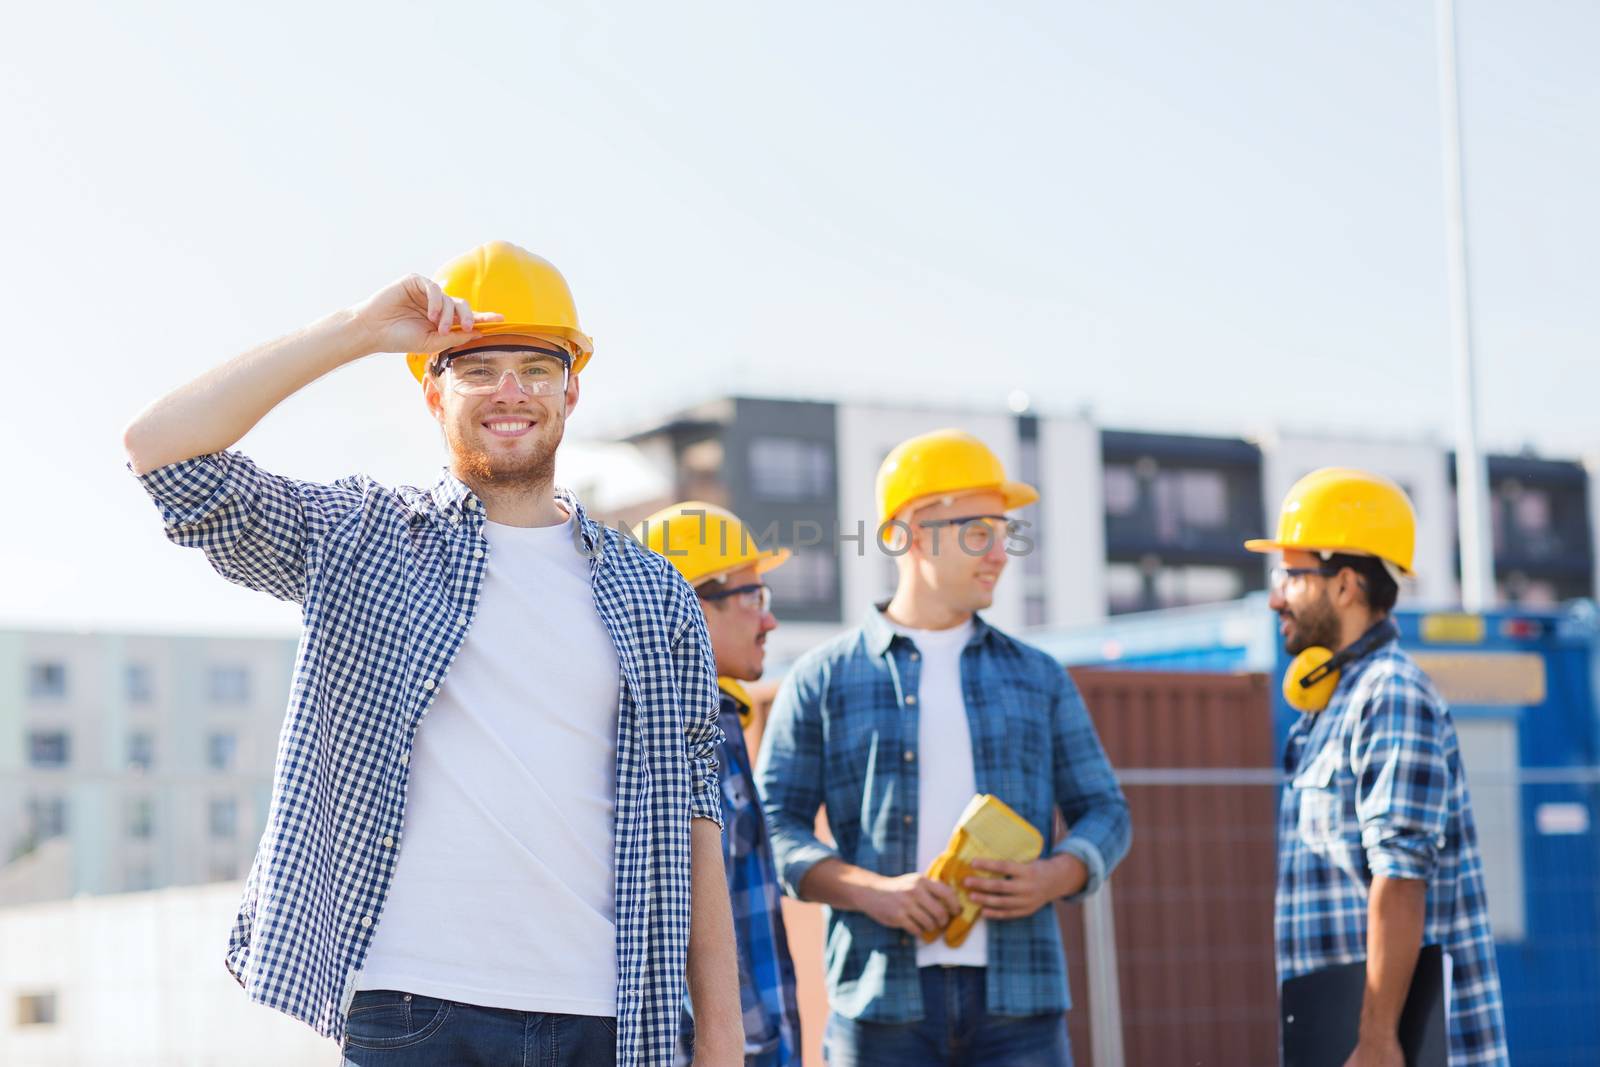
(134, 761)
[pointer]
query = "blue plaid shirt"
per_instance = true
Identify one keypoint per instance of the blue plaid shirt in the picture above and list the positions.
(766, 971)
(844, 733)
(1377, 787)
(389, 580)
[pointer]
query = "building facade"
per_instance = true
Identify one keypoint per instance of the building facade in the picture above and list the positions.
(134, 761)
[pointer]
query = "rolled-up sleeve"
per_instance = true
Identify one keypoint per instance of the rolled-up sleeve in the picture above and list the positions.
(1086, 790)
(696, 670)
(255, 528)
(1402, 781)
(789, 776)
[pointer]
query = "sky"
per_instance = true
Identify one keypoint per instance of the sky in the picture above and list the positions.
(1219, 218)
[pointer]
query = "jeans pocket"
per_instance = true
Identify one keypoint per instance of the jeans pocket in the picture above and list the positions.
(384, 1018)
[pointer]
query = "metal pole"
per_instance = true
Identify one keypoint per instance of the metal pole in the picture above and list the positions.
(1105, 987)
(1472, 477)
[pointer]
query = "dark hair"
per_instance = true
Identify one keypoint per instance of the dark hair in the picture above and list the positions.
(711, 587)
(1381, 588)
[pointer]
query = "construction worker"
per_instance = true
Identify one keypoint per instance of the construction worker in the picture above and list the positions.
(496, 785)
(720, 557)
(1378, 854)
(895, 726)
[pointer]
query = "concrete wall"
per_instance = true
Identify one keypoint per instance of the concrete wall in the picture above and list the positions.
(138, 981)
(1072, 521)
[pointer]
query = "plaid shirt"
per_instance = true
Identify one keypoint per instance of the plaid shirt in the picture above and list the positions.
(1378, 788)
(389, 580)
(766, 971)
(844, 733)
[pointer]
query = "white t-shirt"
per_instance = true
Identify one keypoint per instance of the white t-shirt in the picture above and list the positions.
(946, 778)
(503, 892)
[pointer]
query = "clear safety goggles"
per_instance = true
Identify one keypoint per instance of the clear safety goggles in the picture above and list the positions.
(755, 597)
(537, 371)
(978, 533)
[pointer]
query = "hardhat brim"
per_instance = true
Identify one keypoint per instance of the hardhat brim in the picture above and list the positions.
(1266, 545)
(1018, 494)
(771, 561)
(1013, 495)
(418, 361)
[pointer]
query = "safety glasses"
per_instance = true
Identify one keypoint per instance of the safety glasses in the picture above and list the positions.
(536, 371)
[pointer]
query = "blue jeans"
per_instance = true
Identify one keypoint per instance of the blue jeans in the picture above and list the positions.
(956, 1030)
(393, 1029)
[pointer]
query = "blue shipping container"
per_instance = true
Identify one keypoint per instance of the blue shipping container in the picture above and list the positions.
(1522, 687)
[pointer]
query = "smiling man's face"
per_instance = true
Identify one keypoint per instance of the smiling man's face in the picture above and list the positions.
(506, 438)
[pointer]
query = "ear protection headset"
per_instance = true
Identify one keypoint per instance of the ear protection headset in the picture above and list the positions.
(1312, 677)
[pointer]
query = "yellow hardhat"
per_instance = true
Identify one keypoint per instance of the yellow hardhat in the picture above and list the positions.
(1337, 509)
(705, 541)
(943, 463)
(525, 288)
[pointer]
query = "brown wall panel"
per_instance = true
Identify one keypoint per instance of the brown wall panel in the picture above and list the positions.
(1193, 899)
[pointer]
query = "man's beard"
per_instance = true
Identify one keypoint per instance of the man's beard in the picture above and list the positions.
(1314, 625)
(531, 471)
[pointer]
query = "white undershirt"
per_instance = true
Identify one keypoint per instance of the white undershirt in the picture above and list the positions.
(503, 892)
(946, 778)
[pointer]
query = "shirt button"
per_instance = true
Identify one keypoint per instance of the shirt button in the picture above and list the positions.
(915, 656)
(405, 758)
(477, 553)
(910, 755)
(471, 503)
(388, 841)
(366, 921)
(428, 683)
(911, 698)
(907, 820)
(461, 620)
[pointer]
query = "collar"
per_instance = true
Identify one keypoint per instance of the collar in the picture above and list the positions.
(734, 691)
(1379, 635)
(455, 501)
(881, 634)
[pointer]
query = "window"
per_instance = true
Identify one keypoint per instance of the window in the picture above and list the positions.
(1530, 511)
(138, 683)
(142, 818)
(1189, 499)
(36, 1009)
(229, 684)
(1121, 489)
(1178, 586)
(808, 578)
(220, 750)
(788, 468)
(47, 817)
(47, 680)
(1203, 498)
(141, 750)
(49, 748)
(1124, 588)
(224, 818)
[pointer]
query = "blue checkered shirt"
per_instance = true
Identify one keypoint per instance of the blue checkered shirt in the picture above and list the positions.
(844, 733)
(389, 580)
(766, 972)
(1377, 787)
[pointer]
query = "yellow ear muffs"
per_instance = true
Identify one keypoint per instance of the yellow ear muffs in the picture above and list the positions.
(1309, 682)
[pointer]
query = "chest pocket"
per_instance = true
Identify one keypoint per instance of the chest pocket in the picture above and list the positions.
(1319, 801)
